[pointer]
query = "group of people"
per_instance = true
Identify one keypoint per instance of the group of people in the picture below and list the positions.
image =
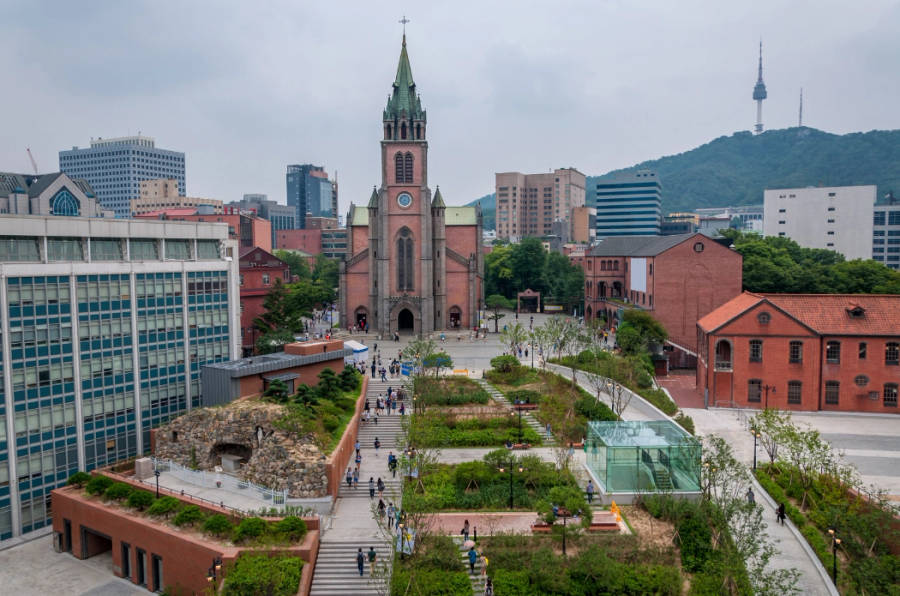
(392, 369)
(780, 511)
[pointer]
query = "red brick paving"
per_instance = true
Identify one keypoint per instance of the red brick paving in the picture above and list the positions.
(683, 389)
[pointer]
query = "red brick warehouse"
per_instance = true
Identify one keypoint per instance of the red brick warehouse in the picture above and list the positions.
(802, 352)
(678, 279)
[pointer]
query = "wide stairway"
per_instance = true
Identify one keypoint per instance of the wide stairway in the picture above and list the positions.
(528, 418)
(353, 526)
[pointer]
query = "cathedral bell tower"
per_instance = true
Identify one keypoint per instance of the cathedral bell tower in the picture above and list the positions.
(401, 248)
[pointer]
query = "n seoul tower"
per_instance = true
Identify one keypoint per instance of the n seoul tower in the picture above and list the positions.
(759, 94)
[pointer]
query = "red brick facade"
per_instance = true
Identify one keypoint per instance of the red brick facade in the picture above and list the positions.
(677, 279)
(249, 230)
(802, 352)
(259, 272)
(309, 240)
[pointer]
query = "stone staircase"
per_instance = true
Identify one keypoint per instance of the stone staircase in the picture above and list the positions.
(336, 571)
(662, 479)
(527, 417)
(477, 579)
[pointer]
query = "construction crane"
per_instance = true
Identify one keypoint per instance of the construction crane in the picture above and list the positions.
(33, 163)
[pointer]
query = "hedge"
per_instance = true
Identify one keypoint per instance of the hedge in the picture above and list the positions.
(254, 574)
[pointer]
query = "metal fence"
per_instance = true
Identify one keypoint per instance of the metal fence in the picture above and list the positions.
(221, 481)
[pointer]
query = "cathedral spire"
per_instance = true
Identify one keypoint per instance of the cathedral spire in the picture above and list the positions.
(404, 103)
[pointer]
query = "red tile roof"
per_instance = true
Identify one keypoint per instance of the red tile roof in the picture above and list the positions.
(828, 313)
(729, 310)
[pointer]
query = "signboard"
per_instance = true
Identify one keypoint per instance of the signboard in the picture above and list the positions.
(553, 308)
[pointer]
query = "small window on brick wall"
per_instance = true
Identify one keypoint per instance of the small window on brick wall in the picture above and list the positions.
(795, 392)
(756, 350)
(796, 352)
(890, 395)
(754, 390)
(832, 392)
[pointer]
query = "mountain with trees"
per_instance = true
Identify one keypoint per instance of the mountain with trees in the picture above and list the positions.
(735, 170)
(488, 210)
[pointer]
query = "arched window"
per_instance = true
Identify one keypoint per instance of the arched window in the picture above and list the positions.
(387, 131)
(418, 131)
(616, 265)
(64, 204)
(408, 168)
(405, 258)
(398, 167)
(403, 130)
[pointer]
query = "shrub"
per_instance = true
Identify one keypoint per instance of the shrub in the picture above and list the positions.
(98, 485)
(118, 491)
(188, 516)
(261, 574)
(686, 422)
(164, 506)
(78, 479)
(586, 357)
(250, 527)
(432, 582)
(658, 398)
(696, 542)
(527, 396)
(217, 525)
(349, 378)
(140, 499)
(330, 422)
(593, 409)
(505, 363)
(291, 527)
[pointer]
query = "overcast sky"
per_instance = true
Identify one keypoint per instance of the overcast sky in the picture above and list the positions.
(245, 88)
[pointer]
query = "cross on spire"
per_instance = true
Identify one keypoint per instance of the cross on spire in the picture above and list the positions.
(403, 22)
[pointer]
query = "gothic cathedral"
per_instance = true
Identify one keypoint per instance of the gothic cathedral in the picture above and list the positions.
(413, 264)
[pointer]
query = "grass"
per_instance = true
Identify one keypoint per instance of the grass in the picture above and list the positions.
(446, 429)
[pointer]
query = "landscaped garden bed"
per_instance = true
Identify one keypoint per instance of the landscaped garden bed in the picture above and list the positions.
(455, 427)
(448, 391)
(436, 569)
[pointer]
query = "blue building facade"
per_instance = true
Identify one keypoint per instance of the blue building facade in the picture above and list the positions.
(115, 167)
(628, 205)
(309, 191)
(104, 335)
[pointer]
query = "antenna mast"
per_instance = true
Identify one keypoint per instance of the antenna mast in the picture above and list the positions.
(800, 119)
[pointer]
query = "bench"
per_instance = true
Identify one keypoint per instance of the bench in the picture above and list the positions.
(544, 528)
(521, 446)
(525, 407)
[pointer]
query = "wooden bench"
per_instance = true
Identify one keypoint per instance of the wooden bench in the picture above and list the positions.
(521, 446)
(544, 528)
(525, 407)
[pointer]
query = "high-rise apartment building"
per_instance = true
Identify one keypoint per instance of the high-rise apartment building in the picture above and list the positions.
(528, 204)
(115, 168)
(309, 191)
(628, 205)
(886, 231)
(838, 218)
(163, 193)
(105, 325)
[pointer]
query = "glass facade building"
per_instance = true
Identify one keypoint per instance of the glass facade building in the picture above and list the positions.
(628, 205)
(104, 331)
(655, 455)
(309, 191)
(115, 168)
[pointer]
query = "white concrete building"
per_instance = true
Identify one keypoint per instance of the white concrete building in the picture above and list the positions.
(837, 218)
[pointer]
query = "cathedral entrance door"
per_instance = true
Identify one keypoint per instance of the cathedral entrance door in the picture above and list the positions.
(405, 320)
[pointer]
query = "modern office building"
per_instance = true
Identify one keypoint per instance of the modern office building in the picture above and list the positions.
(282, 217)
(628, 205)
(163, 193)
(583, 225)
(528, 204)
(750, 216)
(115, 168)
(48, 194)
(309, 191)
(105, 325)
(886, 231)
(838, 218)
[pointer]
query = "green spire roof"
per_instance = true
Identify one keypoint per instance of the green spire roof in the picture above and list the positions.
(373, 200)
(438, 200)
(403, 101)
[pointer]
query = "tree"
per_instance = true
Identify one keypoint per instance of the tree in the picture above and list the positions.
(420, 349)
(297, 263)
(277, 391)
(563, 503)
(540, 339)
(437, 361)
(326, 272)
(529, 264)
(273, 341)
(513, 336)
(494, 303)
(278, 311)
(771, 425)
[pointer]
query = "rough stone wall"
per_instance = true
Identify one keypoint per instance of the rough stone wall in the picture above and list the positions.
(278, 461)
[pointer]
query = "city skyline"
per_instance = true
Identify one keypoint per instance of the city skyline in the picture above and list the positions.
(247, 91)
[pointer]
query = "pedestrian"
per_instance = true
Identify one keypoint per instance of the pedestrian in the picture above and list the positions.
(380, 485)
(366, 406)
(390, 515)
(474, 533)
(381, 509)
(403, 409)
(590, 491)
(356, 446)
(465, 530)
(377, 444)
(392, 466)
(371, 487)
(360, 561)
(372, 556)
(356, 476)
(375, 347)
(484, 564)
(358, 459)
(383, 374)
(373, 368)
(489, 588)
(375, 418)
(780, 514)
(750, 497)
(548, 431)
(473, 556)
(349, 477)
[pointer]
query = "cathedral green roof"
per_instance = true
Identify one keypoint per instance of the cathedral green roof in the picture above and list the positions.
(438, 200)
(360, 216)
(404, 103)
(453, 216)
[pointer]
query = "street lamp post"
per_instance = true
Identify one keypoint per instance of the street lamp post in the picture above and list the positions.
(532, 354)
(756, 435)
(767, 388)
(518, 408)
(501, 470)
(214, 570)
(156, 473)
(834, 544)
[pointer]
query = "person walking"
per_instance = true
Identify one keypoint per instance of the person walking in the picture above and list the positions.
(356, 446)
(360, 561)
(372, 556)
(590, 491)
(349, 477)
(377, 443)
(403, 409)
(473, 557)
(465, 530)
(750, 497)
(548, 431)
(484, 564)
(380, 485)
(371, 487)
(489, 587)
(381, 509)
(383, 374)
(373, 368)
(780, 514)
(356, 476)
(391, 511)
